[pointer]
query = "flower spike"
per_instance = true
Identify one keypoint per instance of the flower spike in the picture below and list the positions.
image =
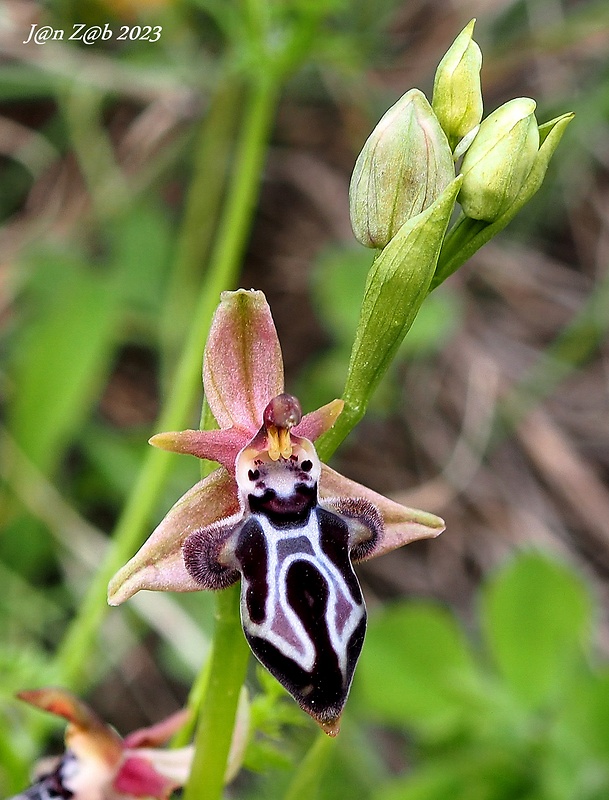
(274, 517)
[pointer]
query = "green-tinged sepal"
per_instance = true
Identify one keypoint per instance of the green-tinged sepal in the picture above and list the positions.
(404, 166)
(469, 235)
(457, 96)
(499, 160)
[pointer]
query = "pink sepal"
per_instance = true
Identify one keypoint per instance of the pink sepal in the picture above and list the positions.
(402, 525)
(159, 733)
(138, 778)
(317, 422)
(242, 366)
(159, 564)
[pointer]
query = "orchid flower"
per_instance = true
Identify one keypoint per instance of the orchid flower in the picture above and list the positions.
(99, 765)
(274, 516)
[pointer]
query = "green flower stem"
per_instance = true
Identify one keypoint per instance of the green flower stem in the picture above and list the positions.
(227, 670)
(213, 147)
(74, 652)
(307, 779)
(456, 244)
(397, 284)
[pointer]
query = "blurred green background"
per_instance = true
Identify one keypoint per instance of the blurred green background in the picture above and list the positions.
(485, 672)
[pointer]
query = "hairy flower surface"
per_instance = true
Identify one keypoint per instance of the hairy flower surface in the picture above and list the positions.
(272, 515)
(98, 764)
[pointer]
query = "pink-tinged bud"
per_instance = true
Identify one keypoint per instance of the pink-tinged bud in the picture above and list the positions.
(404, 166)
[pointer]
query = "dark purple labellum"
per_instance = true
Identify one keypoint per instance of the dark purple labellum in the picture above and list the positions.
(302, 608)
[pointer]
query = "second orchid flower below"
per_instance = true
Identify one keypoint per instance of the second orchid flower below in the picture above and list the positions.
(272, 515)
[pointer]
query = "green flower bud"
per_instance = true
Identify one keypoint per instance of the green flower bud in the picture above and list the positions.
(404, 166)
(499, 160)
(469, 235)
(457, 96)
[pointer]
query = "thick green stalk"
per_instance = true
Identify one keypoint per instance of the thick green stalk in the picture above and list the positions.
(213, 736)
(397, 284)
(456, 241)
(80, 640)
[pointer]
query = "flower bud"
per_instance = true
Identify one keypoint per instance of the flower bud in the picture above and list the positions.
(457, 96)
(404, 166)
(499, 160)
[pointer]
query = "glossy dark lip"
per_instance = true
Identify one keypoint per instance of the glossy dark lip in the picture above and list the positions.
(283, 512)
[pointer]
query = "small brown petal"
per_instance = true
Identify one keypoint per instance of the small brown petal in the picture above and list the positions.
(317, 422)
(86, 734)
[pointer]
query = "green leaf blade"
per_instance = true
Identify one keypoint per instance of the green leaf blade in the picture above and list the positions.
(416, 669)
(536, 618)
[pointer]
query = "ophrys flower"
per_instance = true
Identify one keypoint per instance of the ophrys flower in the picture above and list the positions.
(274, 516)
(97, 763)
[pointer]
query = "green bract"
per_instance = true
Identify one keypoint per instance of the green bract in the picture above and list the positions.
(499, 160)
(404, 166)
(457, 96)
(397, 284)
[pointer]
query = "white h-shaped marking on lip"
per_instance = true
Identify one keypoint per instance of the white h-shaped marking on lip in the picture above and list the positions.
(303, 655)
